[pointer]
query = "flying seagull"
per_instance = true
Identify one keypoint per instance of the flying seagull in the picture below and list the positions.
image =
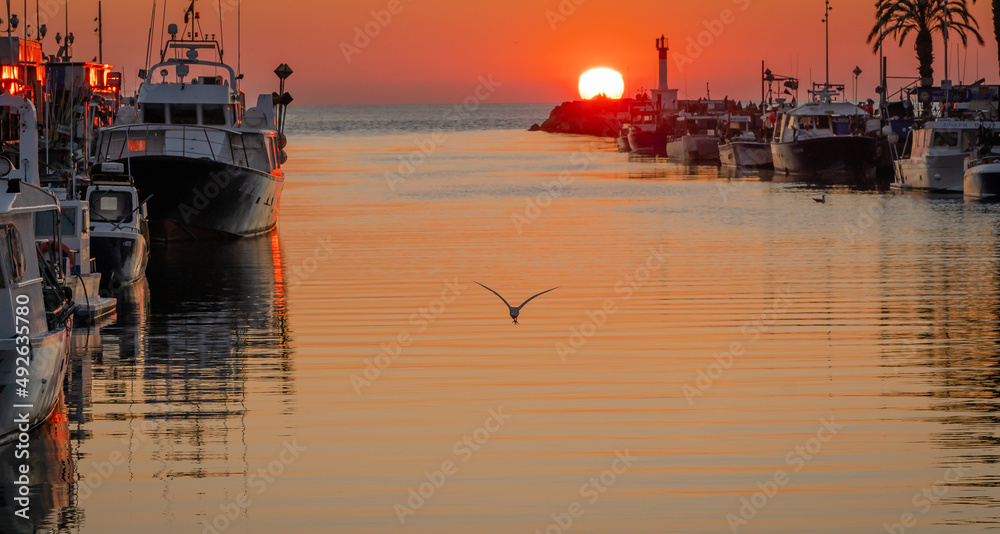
(515, 311)
(821, 200)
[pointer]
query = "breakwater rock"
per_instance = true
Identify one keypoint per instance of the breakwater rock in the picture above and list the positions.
(597, 116)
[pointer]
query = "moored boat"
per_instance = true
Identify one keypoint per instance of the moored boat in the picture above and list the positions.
(696, 141)
(211, 165)
(982, 170)
(119, 234)
(35, 328)
(937, 154)
(647, 135)
(743, 146)
(824, 136)
(746, 152)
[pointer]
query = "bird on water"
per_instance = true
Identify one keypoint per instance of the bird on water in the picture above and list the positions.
(515, 311)
(821, 200)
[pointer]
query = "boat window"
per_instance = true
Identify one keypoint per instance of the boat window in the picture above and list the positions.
(214, 114)
(183, 114)
(111, 206)
(154, 113)
(13, 254)
(945, 139)
(823, 122)
(842, 126)
(44, 222)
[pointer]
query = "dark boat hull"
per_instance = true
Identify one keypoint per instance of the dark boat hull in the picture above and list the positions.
(648, 143)
(120, 259)
(204, 199)
(828, 155)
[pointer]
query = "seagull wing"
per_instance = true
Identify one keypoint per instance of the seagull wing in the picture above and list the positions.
(498, 294)
(542, 293)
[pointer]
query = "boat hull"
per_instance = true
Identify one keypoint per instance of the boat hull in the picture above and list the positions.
(826, 155)
(648, 143)
(746, 154)
(623, 144)
(938, 173)
(46, 372)
(694, 149)
(121, 258)
(204, 199)
(982, 182)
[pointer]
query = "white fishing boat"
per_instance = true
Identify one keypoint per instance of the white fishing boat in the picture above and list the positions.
(743, 148)
(119, 234)
(696, 140)
(36, 316)
(211, 164)
(746, 152)
(936, 160)
(982, 169)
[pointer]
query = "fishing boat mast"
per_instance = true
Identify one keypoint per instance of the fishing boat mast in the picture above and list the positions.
(826, 20)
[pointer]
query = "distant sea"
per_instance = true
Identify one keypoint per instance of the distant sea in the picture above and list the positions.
(375, 120)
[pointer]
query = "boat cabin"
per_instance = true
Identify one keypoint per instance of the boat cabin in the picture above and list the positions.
(821, 119)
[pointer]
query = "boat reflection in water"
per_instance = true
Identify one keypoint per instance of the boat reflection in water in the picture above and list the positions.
(165, 391)
(52, 472)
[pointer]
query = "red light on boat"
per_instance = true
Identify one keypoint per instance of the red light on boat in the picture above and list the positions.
(137, 145)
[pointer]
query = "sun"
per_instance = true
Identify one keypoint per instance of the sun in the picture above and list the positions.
(602, 80)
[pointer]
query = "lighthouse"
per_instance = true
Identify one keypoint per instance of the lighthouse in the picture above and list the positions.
(664, 95)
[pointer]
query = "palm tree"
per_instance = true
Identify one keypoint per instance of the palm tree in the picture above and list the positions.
(900, 18)
(996, 23)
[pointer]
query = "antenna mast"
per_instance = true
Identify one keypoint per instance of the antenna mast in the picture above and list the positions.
(944, 33)
(826, 20)
(100, 34)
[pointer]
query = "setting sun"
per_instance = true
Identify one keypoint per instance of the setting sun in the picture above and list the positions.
(602, 80)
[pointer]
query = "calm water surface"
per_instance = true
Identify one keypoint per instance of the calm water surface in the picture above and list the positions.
(722, 353)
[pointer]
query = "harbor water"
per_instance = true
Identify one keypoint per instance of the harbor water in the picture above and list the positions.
(722, 354)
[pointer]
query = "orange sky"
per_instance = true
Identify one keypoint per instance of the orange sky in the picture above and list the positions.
(433, 51)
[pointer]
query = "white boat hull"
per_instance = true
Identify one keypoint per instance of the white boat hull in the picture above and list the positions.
(694, 149)
(46, 371)
(982, 182)
(943, 173)
(747, 154)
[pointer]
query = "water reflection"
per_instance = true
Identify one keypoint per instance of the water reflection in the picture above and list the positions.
(166, 384)
(52, 474)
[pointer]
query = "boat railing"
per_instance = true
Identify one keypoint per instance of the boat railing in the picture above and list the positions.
(223, 145)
